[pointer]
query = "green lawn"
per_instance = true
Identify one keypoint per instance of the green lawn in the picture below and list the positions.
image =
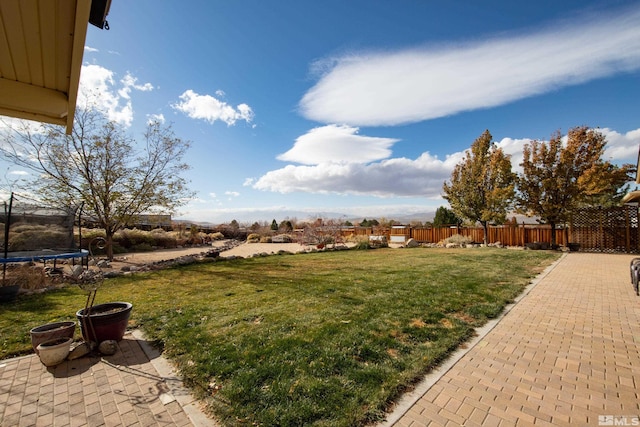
(326, 339)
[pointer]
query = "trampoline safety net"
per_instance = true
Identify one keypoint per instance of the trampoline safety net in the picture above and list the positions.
(32, 230)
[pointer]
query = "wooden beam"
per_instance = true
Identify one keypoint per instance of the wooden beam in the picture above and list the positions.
(32, 100)
(83, 8)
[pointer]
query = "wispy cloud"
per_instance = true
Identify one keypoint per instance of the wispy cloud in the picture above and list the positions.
(337, 144)
(412, 85)
(90, 49)
(211, 109)
(98, 87)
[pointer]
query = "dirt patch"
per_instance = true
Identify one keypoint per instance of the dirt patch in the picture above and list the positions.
(244, 250)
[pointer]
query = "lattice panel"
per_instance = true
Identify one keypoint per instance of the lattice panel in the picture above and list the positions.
(607, 229)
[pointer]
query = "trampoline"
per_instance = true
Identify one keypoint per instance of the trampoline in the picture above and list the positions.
(43, 255)
(34, 233)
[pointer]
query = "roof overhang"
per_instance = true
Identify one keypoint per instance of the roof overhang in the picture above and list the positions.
(632, 197)
(41, 49)
(638, 168)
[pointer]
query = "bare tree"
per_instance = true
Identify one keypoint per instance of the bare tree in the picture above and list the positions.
(98, 164)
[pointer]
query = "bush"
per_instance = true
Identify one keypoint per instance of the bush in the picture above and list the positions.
(216, 236)
(128, 238)
(28, 237)
(142, 247)
(361, 242)
(457, 239)
(253, 238)
(27, 276)
(162, 239)
(265, 239)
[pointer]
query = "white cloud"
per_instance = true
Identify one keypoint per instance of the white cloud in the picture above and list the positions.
(129, 83)
(621, 147)
(152, 118)
(411, 85)
(513, 147)
(231, 194)
(337, 144)
(90, 49)
(98, 88)
(402, 177)
(210, 109)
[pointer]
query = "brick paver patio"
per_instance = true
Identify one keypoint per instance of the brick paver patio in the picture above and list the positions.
(566, 354)
(134, 387)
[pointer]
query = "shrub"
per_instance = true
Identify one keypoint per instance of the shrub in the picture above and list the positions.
(142, 247)
(253, 238)
(361, 242)
(457, 239)
(216, 236)
(162, 239)
(265, 239)
(27, 276)
(27, 237)
(128, 238)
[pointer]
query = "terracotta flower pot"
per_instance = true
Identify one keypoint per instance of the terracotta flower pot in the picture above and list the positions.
(51, 331)
(53, 352)
(108, 321)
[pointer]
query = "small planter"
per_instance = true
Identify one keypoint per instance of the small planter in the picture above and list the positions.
(51, 331)
(105, 321)
(55, 351)
(8, 293)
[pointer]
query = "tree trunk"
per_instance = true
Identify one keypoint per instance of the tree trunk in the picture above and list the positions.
(486, 232)
(109, 243)
(553, 234)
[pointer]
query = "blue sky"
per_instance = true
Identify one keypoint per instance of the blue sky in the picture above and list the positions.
(361, 107)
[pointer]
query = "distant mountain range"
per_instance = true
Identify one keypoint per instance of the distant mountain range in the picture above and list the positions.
(266, 216)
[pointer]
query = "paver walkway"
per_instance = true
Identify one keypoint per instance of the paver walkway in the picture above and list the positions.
(566, 354)
(134, 387)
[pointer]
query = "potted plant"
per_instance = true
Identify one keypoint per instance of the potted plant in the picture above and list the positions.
(51, 331)
(101, 322)
(54, 351)
(8, 292)
(104, 322)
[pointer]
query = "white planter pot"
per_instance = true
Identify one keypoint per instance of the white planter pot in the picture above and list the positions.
(55, 351)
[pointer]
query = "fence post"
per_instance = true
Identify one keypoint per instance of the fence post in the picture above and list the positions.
(627, 229)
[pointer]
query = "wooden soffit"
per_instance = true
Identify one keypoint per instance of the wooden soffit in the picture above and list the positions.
(41, 49)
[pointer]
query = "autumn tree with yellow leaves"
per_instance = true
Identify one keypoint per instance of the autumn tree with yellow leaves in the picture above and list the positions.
(559, 178)
(481, 187)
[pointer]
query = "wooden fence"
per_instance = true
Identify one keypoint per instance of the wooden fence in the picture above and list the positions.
(593, 229)
(509, 235)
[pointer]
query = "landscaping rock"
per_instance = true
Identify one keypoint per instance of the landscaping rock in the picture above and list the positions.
(78, 350)
(108, 347)
(103, 263)
(412, 243)
(76, 271)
